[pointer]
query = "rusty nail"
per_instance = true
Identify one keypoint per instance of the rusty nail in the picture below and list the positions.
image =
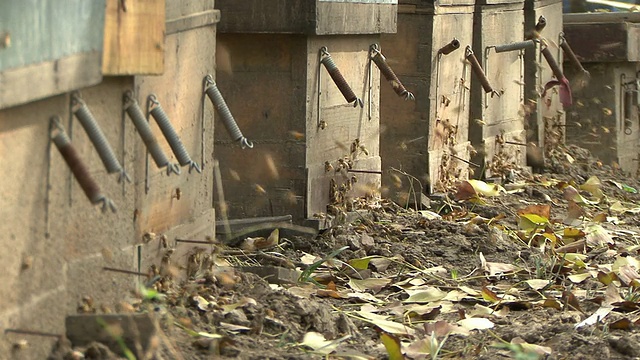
(195, 241)
(32, 332)
(130, 272)
(365, 171)
(464, 160)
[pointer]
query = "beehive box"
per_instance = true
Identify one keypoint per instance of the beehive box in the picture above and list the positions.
(544, 116)
(604, 118)
(496, 121)
(302, 128)
(427, 138)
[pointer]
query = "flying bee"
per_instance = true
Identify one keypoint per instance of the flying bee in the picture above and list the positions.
(177, 194)
(605, 129)
(296, 135)
(271, 165)
(259, 189)
(607, 111)
(480, 122)
(322, 124)
(364, 150)
(327, 166)
(234, 175)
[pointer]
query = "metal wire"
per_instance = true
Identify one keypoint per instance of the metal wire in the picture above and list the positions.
(98, 138)
(520, 45)
(221, 107)
(388, 73)
(79, 170)
(142, 125)
(171, 135)
(339, 80)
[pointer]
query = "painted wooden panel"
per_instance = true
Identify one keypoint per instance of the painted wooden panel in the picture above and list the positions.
(45, 30)
(58, 44)
(134, 37)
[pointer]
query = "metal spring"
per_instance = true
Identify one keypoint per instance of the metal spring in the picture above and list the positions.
(79, 170)
(568, 51)
(388, 73)
(477, 69)
(553, 64)
(520, 45)
(338, 79)
(98, 138)
(212, 91)
(450, 47)
(171, 135)
(142, 125)
(541, 24)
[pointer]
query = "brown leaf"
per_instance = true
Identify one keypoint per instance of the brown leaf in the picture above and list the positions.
(628, 275)
(575, 247)
(489, 295)
(465, 191)
(328, 293)
(441, 328)
(543, 210)
(570, 299)
(612, 295)
(622, 324)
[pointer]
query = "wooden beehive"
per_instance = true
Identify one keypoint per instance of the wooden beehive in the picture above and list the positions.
(270, 76)
(496, 121)
(428, 138)
(604, 118)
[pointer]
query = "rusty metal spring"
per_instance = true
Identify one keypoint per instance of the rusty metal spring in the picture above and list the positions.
(450, 47)
(477, 69)
(568, 51)
(212, 91)
(77, 167)
(553, 64)
(388, 73)
(171, 135)
(142, 125)
(338, 79)
(520, 45)
(98, 138)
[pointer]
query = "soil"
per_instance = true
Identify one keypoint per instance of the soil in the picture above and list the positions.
(222, 312)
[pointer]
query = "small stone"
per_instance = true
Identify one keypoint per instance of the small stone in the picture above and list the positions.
(367, 241)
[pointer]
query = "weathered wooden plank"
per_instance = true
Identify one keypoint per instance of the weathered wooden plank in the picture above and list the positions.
(193, 21)
(53, 78)
(134, 37)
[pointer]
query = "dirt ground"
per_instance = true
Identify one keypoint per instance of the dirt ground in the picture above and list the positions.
(544, 267)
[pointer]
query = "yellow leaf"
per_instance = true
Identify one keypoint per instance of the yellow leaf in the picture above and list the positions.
(486, 189)
(392, 344)
(361, 263)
